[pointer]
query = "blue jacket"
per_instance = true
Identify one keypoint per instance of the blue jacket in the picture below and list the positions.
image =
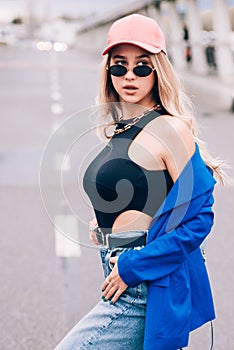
(179, 296)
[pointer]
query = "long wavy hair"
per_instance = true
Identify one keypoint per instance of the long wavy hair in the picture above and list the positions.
(167, 91)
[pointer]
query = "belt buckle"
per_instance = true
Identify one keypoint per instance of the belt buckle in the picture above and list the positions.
(103, 236)
(107, 240)
(104, 240)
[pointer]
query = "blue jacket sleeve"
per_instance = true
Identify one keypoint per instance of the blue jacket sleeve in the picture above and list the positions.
(166, 253)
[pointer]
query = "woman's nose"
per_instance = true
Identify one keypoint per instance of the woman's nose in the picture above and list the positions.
(130, 74)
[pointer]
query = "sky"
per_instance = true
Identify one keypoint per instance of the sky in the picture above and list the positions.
(53, 8)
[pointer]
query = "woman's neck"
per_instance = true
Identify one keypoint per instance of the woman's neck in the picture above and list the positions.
(131, 110)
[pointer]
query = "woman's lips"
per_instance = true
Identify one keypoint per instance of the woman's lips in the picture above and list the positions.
(130, 89)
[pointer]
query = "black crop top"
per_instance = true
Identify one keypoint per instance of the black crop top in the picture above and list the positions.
(115, 184)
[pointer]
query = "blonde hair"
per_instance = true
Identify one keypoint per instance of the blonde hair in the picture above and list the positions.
(170, 94)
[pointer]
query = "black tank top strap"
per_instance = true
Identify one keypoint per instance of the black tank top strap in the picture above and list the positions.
(132, 132)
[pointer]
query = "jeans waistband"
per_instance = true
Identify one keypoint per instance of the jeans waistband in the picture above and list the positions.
(126, 239)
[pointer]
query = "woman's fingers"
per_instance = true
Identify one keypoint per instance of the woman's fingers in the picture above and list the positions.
(113, 260)
(105, 284)
(113, 285)
(118, 293)
(113, 292)
(108, 295)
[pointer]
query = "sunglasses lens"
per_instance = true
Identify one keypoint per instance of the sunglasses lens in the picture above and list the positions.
(117, 70)
(142, 71)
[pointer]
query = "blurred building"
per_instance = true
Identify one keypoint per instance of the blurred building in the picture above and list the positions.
(199, 33)
(200, 38)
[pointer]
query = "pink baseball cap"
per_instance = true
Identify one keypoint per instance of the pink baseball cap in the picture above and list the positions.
(138, 30)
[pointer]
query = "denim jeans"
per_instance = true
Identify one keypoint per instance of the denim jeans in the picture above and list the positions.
(111, 327)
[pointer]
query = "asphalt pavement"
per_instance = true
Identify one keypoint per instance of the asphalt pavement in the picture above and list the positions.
(46, 289)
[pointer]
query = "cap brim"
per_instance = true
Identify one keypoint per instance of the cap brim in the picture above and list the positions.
(149, 48)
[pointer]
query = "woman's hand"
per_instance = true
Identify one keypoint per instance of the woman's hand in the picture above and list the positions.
(113, 286)
(92, 235)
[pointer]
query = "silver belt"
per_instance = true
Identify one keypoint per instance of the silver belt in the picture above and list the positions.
(126, 239)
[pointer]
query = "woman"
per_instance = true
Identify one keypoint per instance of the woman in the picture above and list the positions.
(151, 191)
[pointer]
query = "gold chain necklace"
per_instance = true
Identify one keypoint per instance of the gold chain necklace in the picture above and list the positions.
(136, 120)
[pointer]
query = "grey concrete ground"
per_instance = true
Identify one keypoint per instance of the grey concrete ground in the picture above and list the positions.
(41, 295)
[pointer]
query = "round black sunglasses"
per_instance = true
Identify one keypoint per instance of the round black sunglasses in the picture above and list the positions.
(141, 71)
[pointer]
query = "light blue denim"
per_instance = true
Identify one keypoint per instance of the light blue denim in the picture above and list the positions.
(111, 327)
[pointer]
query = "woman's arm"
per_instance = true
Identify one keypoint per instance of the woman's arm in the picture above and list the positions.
(178, 144)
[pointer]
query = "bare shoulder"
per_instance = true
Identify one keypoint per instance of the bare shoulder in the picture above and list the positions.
(175, 131)
(172, 130)
(177, 142)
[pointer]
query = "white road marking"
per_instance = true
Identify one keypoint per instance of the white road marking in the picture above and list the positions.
(54, 73)
(55, 95)
(56, 108)
(66, 224)
(55, 86)
(64, 247)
